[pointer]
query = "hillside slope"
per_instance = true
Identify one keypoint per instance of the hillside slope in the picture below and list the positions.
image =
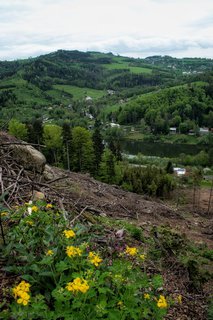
(164, 232)
(57, 85)
(75, 191)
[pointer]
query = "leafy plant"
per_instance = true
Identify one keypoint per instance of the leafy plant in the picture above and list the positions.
(62, 276)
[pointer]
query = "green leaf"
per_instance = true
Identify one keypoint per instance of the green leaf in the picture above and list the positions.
(46, 274)
(104, 290)
(61, 266)
(34, 267)
(46, 260)
(114, 315)
(29, 278)
(10, 269)
(157, 281)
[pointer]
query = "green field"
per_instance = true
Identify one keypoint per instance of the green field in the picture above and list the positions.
(110, 108)
(12, 82)
(80, 93)
(125, 65)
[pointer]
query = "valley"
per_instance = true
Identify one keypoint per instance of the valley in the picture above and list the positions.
(111, 133)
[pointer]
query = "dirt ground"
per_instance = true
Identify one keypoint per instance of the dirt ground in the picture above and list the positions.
(187, 212)
(102, 199)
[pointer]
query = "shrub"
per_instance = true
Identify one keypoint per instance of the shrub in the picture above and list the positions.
(63, 276)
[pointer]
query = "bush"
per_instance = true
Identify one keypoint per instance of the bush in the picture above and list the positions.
(63, 275)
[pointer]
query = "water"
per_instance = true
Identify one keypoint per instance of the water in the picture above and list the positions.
(159, 149)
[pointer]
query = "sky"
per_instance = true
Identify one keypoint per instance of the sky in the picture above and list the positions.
(135, 28)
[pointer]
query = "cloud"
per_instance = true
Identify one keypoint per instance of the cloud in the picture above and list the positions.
(204, 22)
(131, 27)
(133, 46)
(147, 46)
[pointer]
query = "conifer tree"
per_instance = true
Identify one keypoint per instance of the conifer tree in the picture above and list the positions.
(98, 146)
(83, 152)
(169, 167)
(37, 131)
(107, 167)
(67, 144)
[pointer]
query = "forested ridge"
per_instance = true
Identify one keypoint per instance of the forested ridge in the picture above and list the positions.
(55, 86)
(182, 107)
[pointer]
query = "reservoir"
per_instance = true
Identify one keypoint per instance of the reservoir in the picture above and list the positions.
(160, 149)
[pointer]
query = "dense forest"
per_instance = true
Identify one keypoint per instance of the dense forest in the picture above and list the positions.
(69, 84)
(183, 107)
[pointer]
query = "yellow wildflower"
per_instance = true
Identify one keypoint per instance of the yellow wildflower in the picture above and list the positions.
(77, 285)
(131, 251)
(21, 293)
(34, 208)
(4, 214)
(142, 257)
(94, 258)
(96, 261)
(118, 278)
(146, 296)
(24, 298)
(24, 286)
(49, 253)
(73, 251)
(179, 299)
(69, 234)
(78, 251)
(120, 304)
(29, 222)
(161, 302)
(91, 255)
(49, 206)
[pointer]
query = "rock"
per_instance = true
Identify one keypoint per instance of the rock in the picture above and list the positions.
(30, 158)
(120, 233)
(38, 196)
(102, 214)
(48, 173)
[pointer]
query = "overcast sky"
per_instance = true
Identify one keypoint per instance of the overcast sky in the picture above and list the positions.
(136, 28)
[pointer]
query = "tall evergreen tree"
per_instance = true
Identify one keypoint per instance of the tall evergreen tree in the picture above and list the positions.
(107, 167)
(37, 131)
(83, 152)
(98, 146)
(169, 167)
(67, 144)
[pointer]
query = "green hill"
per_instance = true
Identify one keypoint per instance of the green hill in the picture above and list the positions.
(63, 84)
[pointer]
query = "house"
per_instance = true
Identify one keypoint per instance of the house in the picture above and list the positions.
(179, 171)
(114, 125)
(173, 130)
(110, 92)
(89, 115)
(204, 130)
(88, 99)
(191, 132)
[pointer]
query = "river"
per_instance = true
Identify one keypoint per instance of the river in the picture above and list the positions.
(159, 149)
